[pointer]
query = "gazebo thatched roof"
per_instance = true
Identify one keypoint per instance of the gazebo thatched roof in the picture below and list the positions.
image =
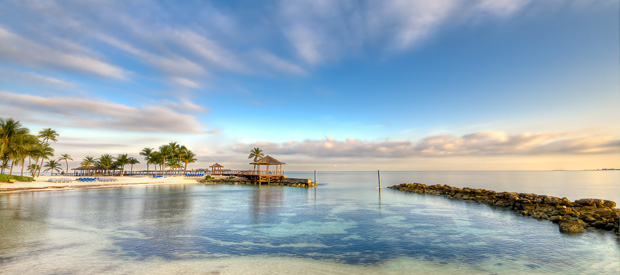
(268, 161)
(216, 165)
(89, 168)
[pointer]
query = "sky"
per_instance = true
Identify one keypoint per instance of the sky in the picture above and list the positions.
(321, 85)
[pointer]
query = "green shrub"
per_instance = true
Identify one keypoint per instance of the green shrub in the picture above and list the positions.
(6, 178)
(208, 177)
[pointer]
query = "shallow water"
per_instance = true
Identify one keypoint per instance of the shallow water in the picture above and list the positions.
(345, 226)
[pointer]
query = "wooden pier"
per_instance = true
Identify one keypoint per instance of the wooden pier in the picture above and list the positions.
(254, 176)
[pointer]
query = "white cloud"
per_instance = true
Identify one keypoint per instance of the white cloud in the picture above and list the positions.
(184, 106)
(320, 31)
(30, 77)
(25, 52)
(501, 7)
(279, 64)
(409, 22)
(480, 143)
(174, 64)
(185, 82)
(207, 49)
(99, 114)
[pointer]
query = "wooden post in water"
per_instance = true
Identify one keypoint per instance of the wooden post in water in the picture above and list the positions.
(379, 175)
(314, 176)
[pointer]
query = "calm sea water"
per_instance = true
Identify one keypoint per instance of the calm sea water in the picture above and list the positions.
(345, 226)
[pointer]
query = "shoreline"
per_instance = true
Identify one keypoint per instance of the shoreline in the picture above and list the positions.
(42, 183)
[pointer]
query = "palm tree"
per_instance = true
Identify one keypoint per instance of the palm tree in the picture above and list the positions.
(10, 130)
(66, 158)
(133, 161)
(4, 164)
(11, 133)
(146, 152)
(33, 168)
(53, 166)
(47, 135)
(105, 161)
(257, 154)
(88, 161)
(175, 149)
(23, 148)
(165, 151)
(45, 152)
(188, 157)
(173, 163)
(180, 153)
(157, 158)
(122, 160)
(114, 167)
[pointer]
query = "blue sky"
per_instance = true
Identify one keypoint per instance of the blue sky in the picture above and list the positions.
(328, 85)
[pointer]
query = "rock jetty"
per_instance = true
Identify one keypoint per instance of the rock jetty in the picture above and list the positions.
(571, 216)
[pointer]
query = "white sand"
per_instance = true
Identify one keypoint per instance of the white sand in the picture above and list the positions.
(42, 183)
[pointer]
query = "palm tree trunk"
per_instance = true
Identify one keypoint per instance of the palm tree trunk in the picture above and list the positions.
(11, 171)
(163, 170)
(39, 173)
(23, 161)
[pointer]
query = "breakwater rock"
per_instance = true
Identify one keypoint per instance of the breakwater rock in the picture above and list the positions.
(571, 216)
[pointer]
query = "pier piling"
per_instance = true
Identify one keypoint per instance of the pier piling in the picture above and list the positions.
(379, 175)
(314, 176)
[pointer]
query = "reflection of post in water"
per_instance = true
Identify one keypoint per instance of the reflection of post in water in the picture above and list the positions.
(379, 198)
(266, 202)
(312, 194)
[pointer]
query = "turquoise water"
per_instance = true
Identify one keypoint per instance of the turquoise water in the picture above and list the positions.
(345, 226)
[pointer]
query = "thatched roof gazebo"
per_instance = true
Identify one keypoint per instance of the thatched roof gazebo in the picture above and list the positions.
(268, 160)
(88, 169)
(216, 168)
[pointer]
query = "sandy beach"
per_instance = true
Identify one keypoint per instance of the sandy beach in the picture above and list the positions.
(42, 183)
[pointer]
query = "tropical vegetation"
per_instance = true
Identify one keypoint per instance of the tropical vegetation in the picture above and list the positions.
(34, 154)
(17, 145)
(257, 154)
(6, 178)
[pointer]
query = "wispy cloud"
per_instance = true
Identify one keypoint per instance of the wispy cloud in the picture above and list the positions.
(30, 77)
(100, 114)
(207, 50)
(23, 51)
(173, 64)
(480, 143)
(317, 32)
(279, 64)
(320, 31)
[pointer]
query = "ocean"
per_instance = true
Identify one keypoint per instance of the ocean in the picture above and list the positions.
(345, 226)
